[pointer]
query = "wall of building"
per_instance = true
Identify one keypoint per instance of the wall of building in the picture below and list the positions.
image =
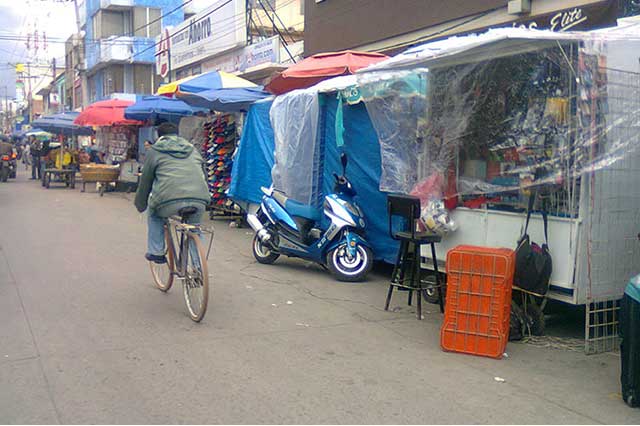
(140, 51)
(337, 25)
(379, 25)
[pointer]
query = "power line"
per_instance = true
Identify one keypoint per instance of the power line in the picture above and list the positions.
(184, 29)
(234, 18)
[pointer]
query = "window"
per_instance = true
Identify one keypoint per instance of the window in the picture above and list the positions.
(147, 22)
(107, 23)
(113, 80)
(143, 79)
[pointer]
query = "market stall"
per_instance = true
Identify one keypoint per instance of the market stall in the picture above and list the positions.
(483, 123)
(62, 161)
(116, 144)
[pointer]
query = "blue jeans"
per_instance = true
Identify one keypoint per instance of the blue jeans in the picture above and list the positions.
(157, 218)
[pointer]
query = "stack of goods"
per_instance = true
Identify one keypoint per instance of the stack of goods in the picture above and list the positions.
(218, 149)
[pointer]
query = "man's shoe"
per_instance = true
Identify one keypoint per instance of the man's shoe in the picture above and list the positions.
(155, 258)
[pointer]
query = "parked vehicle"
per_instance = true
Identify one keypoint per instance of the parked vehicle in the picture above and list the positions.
(286, 227)
(8, 166)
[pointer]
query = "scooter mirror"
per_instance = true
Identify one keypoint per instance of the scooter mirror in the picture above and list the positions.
(344, 161)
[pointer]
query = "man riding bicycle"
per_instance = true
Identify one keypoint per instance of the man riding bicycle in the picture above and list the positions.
(173, 178)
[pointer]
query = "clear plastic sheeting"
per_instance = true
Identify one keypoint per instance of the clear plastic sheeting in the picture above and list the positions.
(523, 113)
(294, 118)
(514, 113)
(397, 102)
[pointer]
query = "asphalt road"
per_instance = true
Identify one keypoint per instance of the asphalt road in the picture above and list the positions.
(86, 338)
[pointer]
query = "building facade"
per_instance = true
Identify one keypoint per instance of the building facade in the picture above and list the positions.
(252, 38)
(119, 45)
(391, 26)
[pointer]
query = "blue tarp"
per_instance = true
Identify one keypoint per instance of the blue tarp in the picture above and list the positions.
(254, 159)
(364, 169)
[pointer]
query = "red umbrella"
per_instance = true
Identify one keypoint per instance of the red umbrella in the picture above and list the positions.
(106, 113)
(320, 67)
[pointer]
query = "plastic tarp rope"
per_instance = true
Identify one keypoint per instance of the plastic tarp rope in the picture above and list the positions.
(254, 159)
(294, 119)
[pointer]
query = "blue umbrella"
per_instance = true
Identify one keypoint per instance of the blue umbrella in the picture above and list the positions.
(61, 124)
(225, 100)
(159, 108)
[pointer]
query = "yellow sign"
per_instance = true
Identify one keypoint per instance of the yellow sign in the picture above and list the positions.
(19, 67)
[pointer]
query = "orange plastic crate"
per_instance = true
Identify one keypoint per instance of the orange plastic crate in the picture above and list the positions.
(478, 309)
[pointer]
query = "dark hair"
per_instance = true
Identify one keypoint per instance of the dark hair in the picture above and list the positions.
(167, 129)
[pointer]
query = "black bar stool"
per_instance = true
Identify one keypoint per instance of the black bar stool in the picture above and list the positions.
(406, 272)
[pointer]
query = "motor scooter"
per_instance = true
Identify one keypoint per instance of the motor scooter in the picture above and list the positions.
(7, 166)
(286, 227)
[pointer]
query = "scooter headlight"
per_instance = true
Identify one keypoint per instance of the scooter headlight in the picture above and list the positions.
(352, 209)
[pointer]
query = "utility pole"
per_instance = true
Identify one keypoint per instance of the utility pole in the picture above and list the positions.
(29, 97)
(82, 73)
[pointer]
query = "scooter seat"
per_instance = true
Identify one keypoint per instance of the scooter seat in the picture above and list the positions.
(295, 208)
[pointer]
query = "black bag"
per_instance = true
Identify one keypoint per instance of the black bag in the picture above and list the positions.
(533, 262)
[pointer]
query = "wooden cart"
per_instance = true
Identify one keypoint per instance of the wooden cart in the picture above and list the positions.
(99, 173)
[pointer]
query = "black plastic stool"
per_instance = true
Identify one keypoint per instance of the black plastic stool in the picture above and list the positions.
(406, 272)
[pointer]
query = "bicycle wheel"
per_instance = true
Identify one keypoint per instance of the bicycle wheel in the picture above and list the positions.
(196, 281)
(163, 272)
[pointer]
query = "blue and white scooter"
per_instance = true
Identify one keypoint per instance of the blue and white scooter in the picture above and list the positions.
(284, 226)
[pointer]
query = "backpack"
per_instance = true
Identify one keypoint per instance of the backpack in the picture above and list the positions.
(533, 262)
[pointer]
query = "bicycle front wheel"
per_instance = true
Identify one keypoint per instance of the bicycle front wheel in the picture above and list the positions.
(163, 272)
(196, 282)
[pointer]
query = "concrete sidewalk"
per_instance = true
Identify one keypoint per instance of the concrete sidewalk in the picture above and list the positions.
(86, 338)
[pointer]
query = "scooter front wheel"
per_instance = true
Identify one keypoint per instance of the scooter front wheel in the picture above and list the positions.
(350, 269)
(262, 253)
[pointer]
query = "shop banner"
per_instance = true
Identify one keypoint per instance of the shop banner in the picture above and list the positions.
(264, 52)
(583, 18)
(216, 29)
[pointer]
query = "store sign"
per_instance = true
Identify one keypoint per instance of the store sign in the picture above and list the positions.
(162, 54)
(583, 18)
(264, 52)
(216, 29)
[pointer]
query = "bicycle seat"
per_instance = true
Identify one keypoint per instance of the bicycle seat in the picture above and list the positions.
(186, 212)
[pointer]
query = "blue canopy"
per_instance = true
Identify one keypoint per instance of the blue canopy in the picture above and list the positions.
(225, 100)
(160, 108)
(254, 159)
(61, 124)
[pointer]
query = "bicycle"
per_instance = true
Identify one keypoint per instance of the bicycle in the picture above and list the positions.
(194, 274)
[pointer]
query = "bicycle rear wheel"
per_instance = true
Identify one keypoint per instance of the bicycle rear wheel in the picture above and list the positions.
(163, 272)
(196, 281)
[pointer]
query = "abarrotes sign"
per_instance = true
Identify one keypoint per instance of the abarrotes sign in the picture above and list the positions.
(217, 29)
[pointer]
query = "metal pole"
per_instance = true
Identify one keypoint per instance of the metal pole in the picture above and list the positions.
(29, 99)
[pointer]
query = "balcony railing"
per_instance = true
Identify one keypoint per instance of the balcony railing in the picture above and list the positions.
(121, 49)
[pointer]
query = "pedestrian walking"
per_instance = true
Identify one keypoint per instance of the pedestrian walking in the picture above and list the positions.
(26, 156)
(44, 157)
(35, 158)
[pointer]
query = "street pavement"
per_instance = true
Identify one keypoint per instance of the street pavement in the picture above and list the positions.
(86, 338)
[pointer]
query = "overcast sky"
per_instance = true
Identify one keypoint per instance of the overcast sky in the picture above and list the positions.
(56, 19)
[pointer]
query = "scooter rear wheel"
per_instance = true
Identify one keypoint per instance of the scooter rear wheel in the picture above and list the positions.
(262, 253)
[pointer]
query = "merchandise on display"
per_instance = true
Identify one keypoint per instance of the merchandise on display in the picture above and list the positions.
(220, 138)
